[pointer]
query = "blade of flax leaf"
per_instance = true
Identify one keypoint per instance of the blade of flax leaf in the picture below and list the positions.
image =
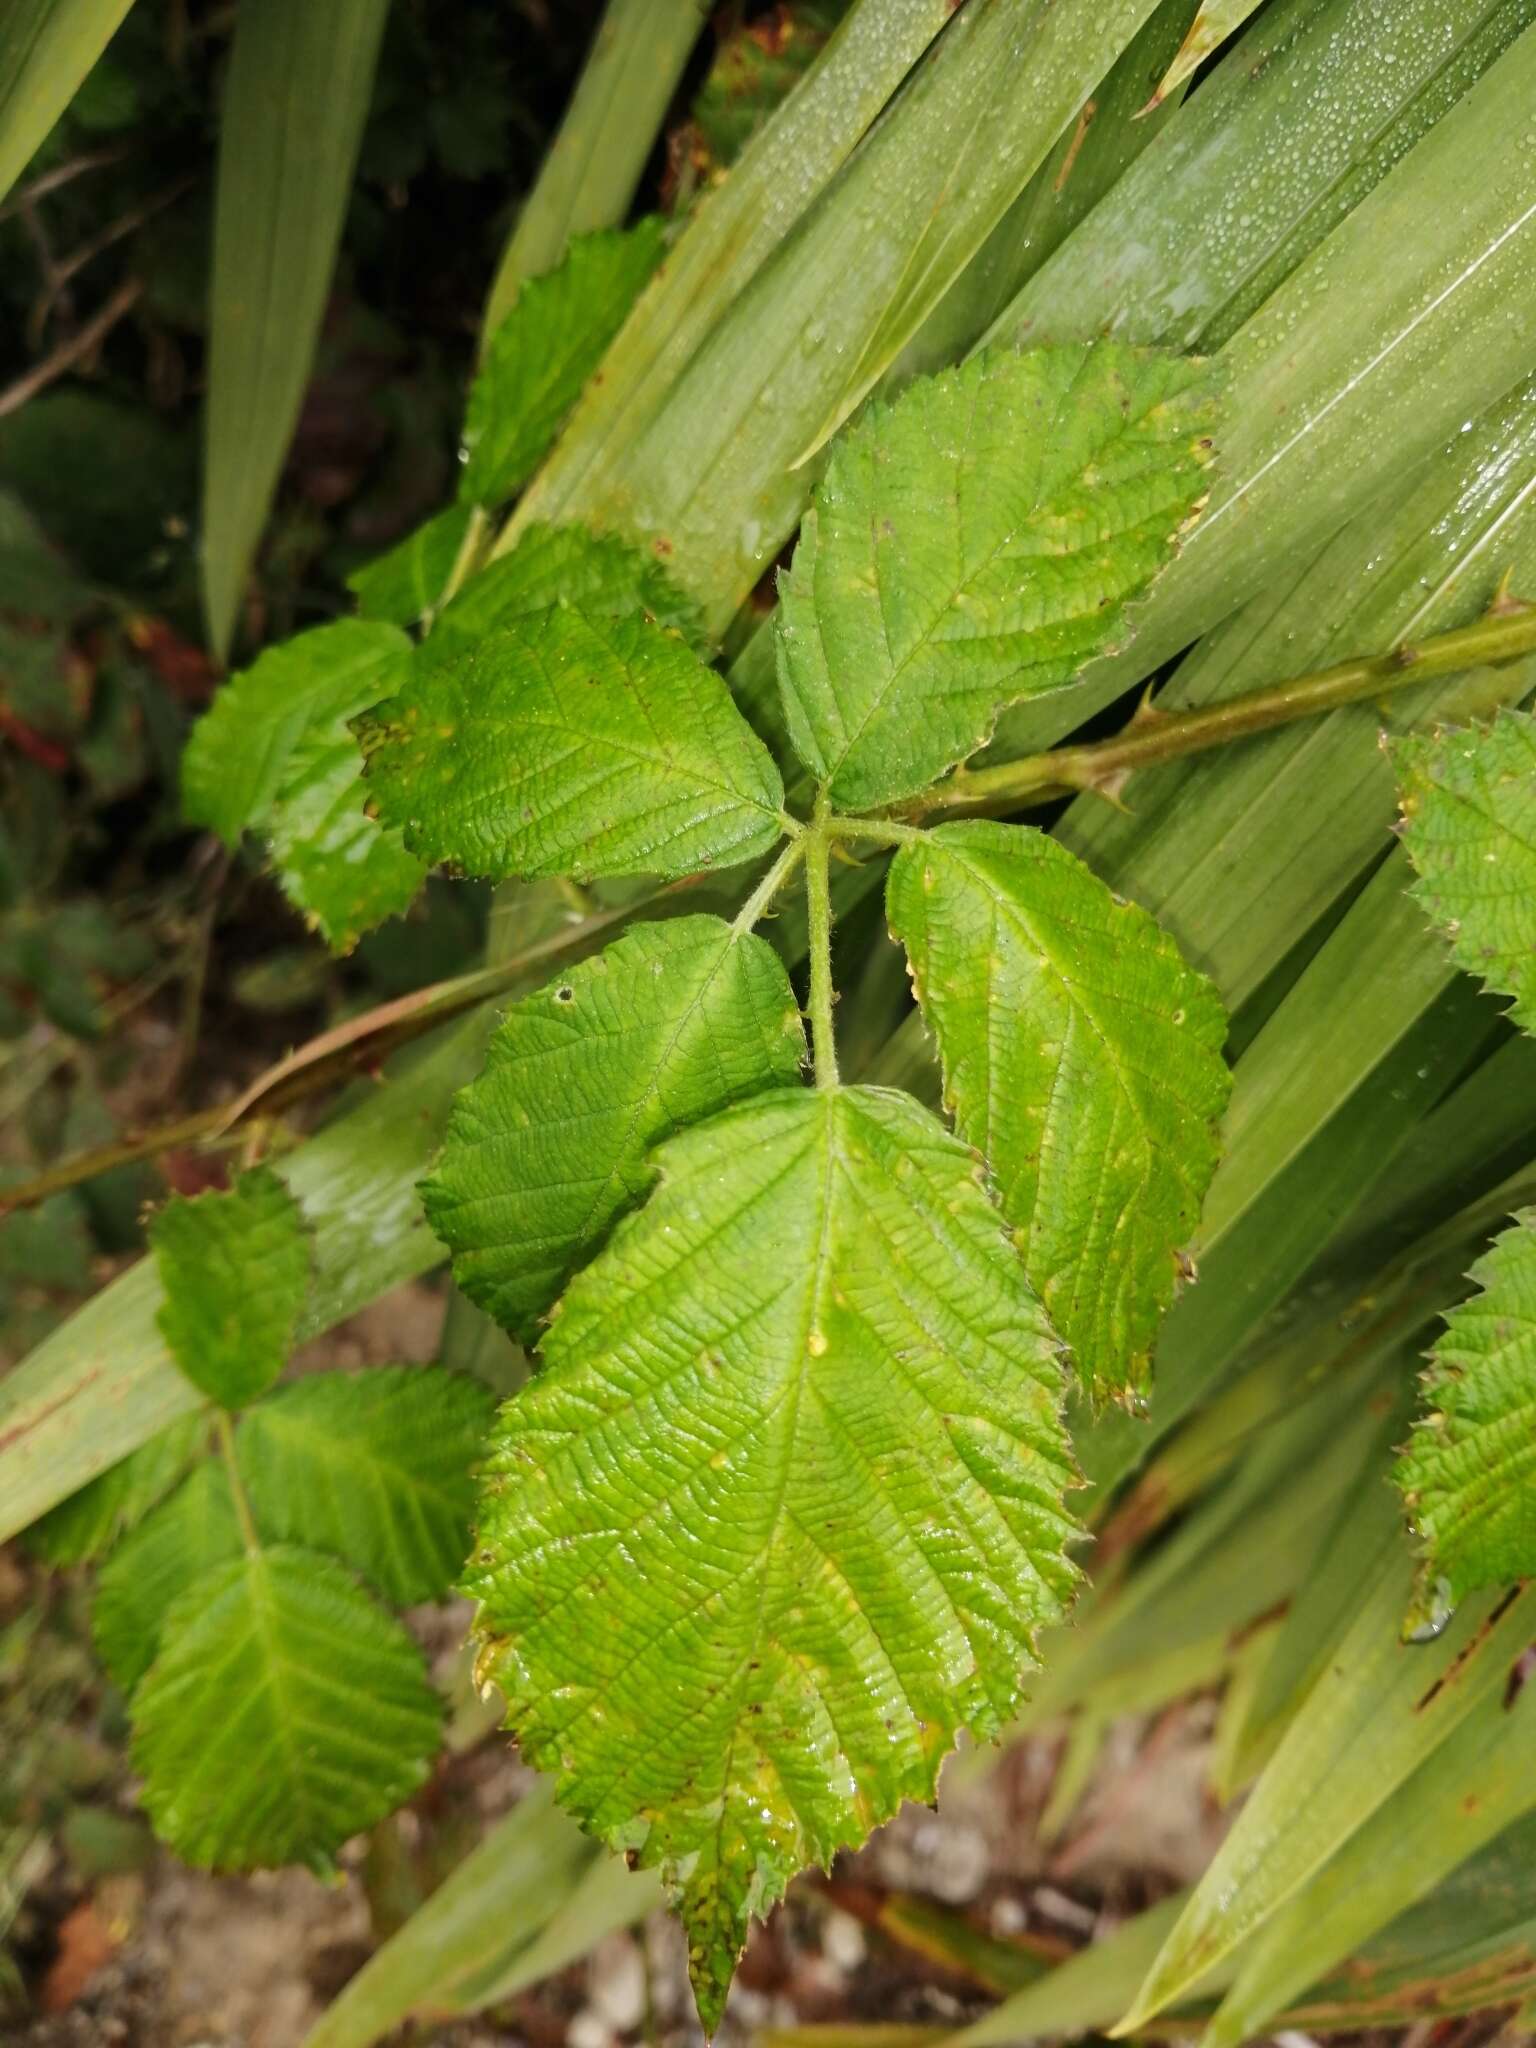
(294, 101)
(1217, 20)
(594, 164)
(1469, 1790)
(772, 185)
(46, 48)
(1380, 1709)
(831, 308)
(1332, 390)
(1093, 153)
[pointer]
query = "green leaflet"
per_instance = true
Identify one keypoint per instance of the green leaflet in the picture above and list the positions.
(285, 1711)
(783, 1510)
(186, 1536)
(374, 1468)
(543, 352)
(668, 1025)
(976, 542)
(599, 574)
(566, 745)
(1469, 1473)
(86, 1525)
(235, 1267)
(409, 580)
(275, 755)
(1083, 1058)
(1469, 825)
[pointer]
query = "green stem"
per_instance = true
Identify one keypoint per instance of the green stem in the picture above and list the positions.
(472, 551)
(818, 898)
(1505, 633)
(883, 831)
(756, 905)
(224, 1430)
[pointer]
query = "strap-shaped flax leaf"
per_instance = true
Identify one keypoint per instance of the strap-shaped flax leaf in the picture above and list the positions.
(235, 1268)
(670, 1024)
(374, 1467)
(1469, 824)
(543, 352)
(599, 574)
(1469, 1473)
(1083, 1058)
(285, 1711)
(976, 542)
(275, 755)
(567, 745)
(186, 1536)
(784, 1508)
(46, 49)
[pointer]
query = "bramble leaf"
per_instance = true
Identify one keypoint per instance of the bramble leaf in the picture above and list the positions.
(542, 354)
(275, 755)
(566, 745)
(235, 1268)
(375, 1468)
(410, 579)
(1083, 1058)
(1469, 818)
(784, 1508)
(665, 1027)
(285, 1710)
(1469, 1473)
(596, 573)
(86, 1525)
(186, 1536)
(977, 541)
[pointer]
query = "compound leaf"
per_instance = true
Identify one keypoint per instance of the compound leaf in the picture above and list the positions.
(572, 745)
(186, 1536)
(1469, 817)
(275, 755)
(285, 1711)
(1083, 1058)
(86, 1525)
(598, 573)
(235, 1267)
(665, 1027)
(544, 351)
(978, 541)
(375, 1468)
(784, 1508)
(1469, 1473)
(409, 580)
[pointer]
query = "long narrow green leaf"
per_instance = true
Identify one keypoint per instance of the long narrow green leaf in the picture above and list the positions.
(1477, 1783)
(1380, 1709)
(46, 49)
(594, 164)
(826, 315)
(294, 101)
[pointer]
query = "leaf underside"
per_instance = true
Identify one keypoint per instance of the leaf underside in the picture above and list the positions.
(375, 1468)
(235, 1267)
(568, 745)
(285, 1711)
(1469, 1473)
(665, 1027)
(784, 1508)
(542, 354)
(978, 541)
(1469, 811)
(1082, 1057)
